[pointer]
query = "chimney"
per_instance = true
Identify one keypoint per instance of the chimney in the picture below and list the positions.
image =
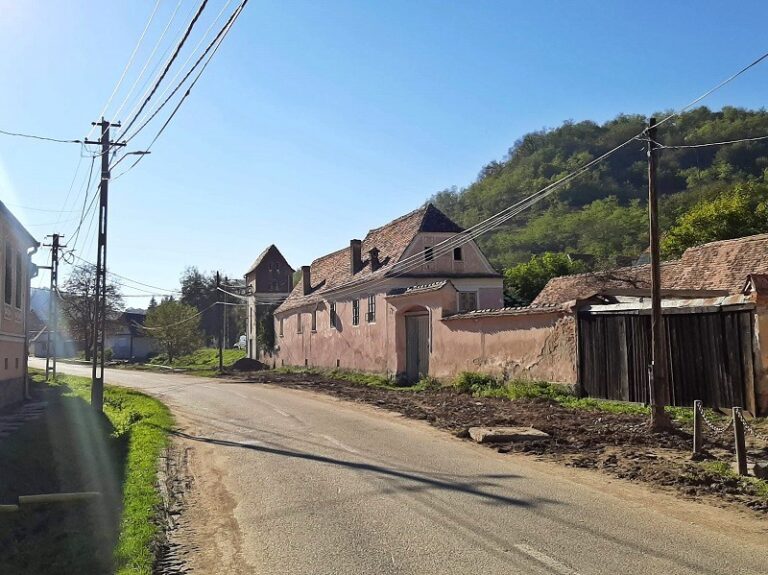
(373, 255)
(355, 256)
(306, 279)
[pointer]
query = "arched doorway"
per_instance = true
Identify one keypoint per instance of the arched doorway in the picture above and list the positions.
(416, 344)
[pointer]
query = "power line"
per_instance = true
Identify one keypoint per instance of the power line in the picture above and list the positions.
(189, 72)
(190, 318)
(221, 36)
(128, 65)
(146, 64)
(706, 145)
(35, 137)
(168, 65)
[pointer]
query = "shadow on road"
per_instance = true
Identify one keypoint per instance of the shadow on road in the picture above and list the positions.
(461, 487)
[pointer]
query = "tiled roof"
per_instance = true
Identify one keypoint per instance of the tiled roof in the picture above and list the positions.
(722, 265)
(423, 288)
(333, 270)
(262, 255)
(506, 311)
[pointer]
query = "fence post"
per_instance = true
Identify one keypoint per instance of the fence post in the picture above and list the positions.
(697, 427)
(741, 447)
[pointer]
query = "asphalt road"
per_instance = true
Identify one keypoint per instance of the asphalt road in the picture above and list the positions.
(298, 483)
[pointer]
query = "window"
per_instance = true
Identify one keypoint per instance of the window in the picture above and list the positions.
(355, 312)
(457, 255)
(429, 254)
(281, 327)
(467, 301)
(298, 322)
(371, 315)
(314, 320)
(8, 274)
(19, 281)
(332, 315)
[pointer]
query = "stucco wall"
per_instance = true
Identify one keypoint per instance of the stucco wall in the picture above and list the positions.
(535, 346)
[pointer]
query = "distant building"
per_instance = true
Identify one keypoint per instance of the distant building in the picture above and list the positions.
(268, 282)
(380, 305)
(128, 340)
(16, 248)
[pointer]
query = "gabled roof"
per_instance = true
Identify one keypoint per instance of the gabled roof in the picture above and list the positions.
(722, 265)
(269, 249)
(333, 270)
(20, 230)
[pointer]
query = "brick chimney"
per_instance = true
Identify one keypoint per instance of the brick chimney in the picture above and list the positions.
(355, 256)
(306, 279)
(373, 255)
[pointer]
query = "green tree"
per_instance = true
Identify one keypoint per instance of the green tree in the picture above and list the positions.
(738, 212)
(176, 327)
(523, 282)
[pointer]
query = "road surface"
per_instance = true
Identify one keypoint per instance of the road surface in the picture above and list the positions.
(292, 482)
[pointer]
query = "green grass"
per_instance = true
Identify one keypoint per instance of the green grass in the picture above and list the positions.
(204, 361)
(368, 379)
(130, 438)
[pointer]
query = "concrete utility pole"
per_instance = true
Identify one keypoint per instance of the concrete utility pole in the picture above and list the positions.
(99, 315)
(658, 387)
(221, 324)
(53, 312)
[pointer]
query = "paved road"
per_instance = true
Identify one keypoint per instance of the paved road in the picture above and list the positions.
(309, 485)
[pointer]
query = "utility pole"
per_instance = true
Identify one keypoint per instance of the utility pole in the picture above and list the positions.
(100, 295)
(221, 324)
(53, 312)
(658, 387)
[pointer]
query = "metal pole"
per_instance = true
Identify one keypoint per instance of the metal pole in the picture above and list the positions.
(660, 421)
(697, 427)
(221, 324)
(741, 447)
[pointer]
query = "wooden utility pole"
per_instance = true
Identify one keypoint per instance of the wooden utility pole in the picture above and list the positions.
(53, 312)
(658, 388)
(100, 295)
(221, 324)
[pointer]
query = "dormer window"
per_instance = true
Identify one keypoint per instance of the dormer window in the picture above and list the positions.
(429, 254)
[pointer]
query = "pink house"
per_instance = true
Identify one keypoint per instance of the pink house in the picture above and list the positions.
(379, 305)
(16, 249)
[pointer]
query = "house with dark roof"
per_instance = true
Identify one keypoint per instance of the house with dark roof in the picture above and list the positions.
(378, 304)
(268, 282)
(16, 269)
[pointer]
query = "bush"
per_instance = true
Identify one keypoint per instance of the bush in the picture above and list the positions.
(473, 382)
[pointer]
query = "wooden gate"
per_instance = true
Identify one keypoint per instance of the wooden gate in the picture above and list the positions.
(708, 357)
(416, 346)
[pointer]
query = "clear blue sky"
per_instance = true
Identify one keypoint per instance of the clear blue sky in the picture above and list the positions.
(319, 120)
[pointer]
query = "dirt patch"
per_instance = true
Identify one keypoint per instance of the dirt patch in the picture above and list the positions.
(617, 444)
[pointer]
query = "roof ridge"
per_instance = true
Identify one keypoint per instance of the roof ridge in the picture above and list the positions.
(743, 239)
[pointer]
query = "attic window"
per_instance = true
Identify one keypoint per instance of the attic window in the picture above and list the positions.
(8, 274)
(457, 255)
(429, 254)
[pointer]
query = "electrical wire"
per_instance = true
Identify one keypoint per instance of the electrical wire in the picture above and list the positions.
(190, 318)
(35, 137)
(168, 65)
(221, 36)
(706, 145)
(157, 110)
(128, 65)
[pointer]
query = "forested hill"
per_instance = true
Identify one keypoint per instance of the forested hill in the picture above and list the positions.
(600, 218)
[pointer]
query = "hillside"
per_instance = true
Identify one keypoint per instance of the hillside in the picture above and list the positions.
(600, 219)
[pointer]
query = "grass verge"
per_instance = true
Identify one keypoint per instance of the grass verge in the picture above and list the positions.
(369, 379)
(203, 362)
(71, 448)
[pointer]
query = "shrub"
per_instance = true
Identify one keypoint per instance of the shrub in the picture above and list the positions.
(473, 382)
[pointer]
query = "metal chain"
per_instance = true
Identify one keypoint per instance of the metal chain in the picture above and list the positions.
(714, 428)
(751, 429)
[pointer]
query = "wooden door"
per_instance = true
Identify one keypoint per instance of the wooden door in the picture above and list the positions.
(416, 346)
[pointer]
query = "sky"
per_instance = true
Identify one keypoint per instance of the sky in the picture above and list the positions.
(316, 121)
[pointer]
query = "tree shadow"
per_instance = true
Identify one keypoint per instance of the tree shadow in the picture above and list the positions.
(412, 481)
